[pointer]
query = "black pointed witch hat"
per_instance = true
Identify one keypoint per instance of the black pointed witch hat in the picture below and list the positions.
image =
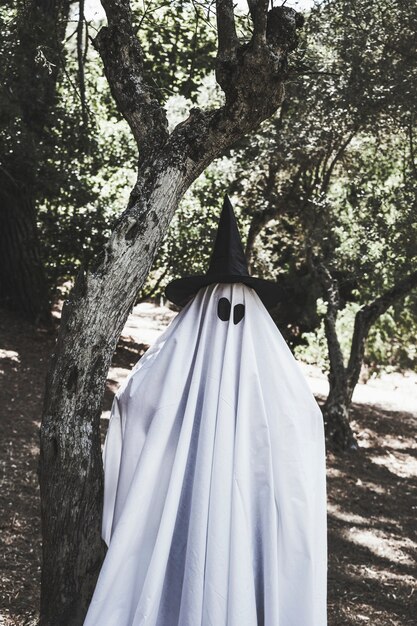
(227, 265)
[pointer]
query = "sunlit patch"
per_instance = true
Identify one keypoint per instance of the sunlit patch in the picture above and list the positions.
(33, 450)
(355, 613)
(116, 376)
(399, 442)
(353, 518)
(381, 544)
(334, 472)
(11, 355)
(399, 463)
(368, 438)
(370, 486)
(388, 577)
(365, 436)
(345, 516)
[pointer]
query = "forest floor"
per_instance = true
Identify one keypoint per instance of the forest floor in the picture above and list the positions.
(372, 494)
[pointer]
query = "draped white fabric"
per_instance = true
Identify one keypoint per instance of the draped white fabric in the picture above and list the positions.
(215, 489)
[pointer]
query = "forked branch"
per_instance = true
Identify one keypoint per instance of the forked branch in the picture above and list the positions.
(367, 316)
(122, 57)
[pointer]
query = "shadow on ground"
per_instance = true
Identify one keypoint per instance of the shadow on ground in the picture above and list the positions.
(371, 495)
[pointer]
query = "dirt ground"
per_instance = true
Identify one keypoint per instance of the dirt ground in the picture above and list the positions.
(372, 494)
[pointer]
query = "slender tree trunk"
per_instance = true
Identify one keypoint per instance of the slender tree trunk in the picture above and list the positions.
(339, 434)
(343, 380)
(92, 320)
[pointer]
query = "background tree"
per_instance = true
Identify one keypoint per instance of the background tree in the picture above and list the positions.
(81, 156)
(344, 195)
(330, 179)
(251, 77)
(31, 60)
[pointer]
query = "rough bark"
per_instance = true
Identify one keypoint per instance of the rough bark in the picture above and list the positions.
(93, 317)
(343, 379)
(30, 89)
(339, 434)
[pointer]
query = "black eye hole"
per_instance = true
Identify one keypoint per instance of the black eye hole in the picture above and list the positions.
(223, 309)
(238, 313)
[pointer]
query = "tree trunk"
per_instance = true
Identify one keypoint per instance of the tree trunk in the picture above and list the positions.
(70, 463)
(92, 320)
(339, 434)
(23, 284)
(29, 88)
(343, 380)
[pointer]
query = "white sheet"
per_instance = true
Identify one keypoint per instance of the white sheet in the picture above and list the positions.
(215, 488)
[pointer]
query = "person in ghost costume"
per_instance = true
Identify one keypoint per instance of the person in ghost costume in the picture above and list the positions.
(215, 489)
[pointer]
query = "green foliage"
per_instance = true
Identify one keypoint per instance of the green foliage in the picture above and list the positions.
(179, 44)
(88, 178)
(334, 172)
(79, 163)
(331, 176)
(65, 154)
(392, 344)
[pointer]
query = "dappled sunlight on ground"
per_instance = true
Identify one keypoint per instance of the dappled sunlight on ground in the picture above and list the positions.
(11, 355)
(372, 510)
(372, 494)
(352, 518)
(382, 545)
(147, 322)
(398, 463)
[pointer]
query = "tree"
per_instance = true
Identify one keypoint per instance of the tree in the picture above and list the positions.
(343, 379)
(31, 61)
(376, 252)
(251, 76)
(69, 168)
(330, 188)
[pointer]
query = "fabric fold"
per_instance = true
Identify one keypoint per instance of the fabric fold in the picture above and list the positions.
(215, 495)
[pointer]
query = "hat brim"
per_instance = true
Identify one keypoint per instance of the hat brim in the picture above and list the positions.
(181, 290)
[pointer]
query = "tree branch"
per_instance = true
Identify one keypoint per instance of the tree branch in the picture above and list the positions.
(258, 10)
(228, 43)
(412, 148)
(339, 153)
(251, 78)
(364, 320)
(331, 292)
(226, 29)
(122, 57)
(275, 206)
(81, 61)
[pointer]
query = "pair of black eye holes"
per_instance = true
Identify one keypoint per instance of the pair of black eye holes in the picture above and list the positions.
(224, 309)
